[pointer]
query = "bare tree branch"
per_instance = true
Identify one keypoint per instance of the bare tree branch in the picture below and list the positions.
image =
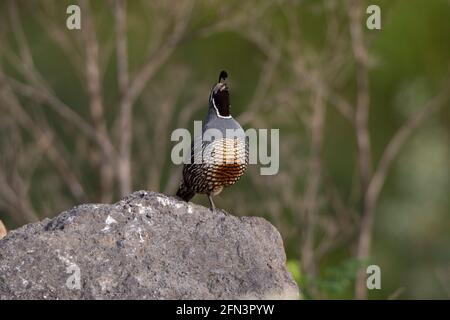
(355, 11)
(376, 183)
(137, 84)
(313, 182)
(38, 87)
(44, 138)
(121, 45)
(96, 106)
(61, 37)
(63, 110)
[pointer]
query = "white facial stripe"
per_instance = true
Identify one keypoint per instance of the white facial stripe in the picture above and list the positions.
(217, 110)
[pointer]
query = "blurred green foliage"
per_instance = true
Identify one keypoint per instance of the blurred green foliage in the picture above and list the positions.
(409, 65)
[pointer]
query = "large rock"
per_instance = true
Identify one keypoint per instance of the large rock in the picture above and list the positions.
(147, 246)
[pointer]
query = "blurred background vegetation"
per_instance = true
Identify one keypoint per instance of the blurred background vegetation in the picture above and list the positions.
(86, 116)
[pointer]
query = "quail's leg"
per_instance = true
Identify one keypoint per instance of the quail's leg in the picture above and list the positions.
(213, 207)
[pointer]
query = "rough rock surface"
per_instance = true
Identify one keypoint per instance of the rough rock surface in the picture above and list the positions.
(147, 246)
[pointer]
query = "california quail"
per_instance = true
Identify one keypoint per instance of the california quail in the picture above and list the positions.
(222, 160)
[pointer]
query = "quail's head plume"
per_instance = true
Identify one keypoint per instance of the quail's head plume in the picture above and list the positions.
(223, 160)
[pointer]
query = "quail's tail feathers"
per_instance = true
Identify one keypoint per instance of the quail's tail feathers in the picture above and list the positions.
(185, 193)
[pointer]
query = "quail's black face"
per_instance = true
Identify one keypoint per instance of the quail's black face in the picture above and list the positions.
(221, 99)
